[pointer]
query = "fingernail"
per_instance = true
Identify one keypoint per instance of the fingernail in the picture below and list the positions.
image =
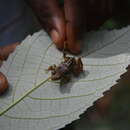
(55, 36)
(76, 49)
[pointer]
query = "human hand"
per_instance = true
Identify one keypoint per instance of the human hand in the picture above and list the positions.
(4, 53)
(71, 21)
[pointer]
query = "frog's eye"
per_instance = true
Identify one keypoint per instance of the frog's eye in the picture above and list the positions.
(53, 72)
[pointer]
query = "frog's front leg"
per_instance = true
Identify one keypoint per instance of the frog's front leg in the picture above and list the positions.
(52, 69)
(78, 67)
(79, 64)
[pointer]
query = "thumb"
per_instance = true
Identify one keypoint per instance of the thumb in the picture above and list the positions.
(51, 17)
(3, 83)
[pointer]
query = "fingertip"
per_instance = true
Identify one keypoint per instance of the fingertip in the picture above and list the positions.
(14, 45)
(3, 83)
(57, 39)
(73, 39)
(75, 48)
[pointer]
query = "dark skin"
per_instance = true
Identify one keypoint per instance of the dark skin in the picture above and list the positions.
(4, 53)
(68, 23)
(71, 21)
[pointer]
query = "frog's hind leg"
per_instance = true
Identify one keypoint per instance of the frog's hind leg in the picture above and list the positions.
(79, 64)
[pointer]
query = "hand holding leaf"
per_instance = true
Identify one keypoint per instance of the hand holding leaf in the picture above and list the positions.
(4, 53)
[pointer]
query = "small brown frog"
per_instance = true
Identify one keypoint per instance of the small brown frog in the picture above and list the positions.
(69, 66)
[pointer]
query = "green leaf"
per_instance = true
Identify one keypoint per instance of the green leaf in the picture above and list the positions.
(32, 104)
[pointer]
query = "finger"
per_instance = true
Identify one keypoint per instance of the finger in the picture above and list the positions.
(82, 16)
(3, 83)
(73, 26)
(4, 53)
(6, 50)
(51, 18)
